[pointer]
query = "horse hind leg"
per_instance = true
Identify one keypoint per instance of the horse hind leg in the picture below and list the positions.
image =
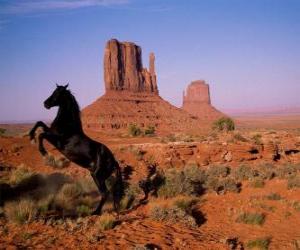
(100, 182)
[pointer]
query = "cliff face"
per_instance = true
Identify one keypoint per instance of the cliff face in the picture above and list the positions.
(196, 101)
(123, 68)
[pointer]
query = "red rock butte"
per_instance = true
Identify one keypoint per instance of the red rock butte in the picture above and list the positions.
(123, 68)
(132, 96)
(196, 101)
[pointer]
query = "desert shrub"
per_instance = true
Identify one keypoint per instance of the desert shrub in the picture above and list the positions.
(296, 205)
(267, 171)
(172, 215)
(130, 198)
(239, 137)
(224, 124)
(66, 196)
(244, 172)
(87, 201)
(185, 203)
(2, 131)
(87, 185)
(260, 243)
(186, 182)
(20, 212)
(170, 138)
(257, 182)
(287, 171)
(274, 196)
(293, 182)
(44, 205)
(218, 171)
(71, 190)
(56, 162)
(188, 138)
(257, 139)
(194, 174)
(106, 222)
(134, 130)
(20, 174)
(83, 210)
(150, 130)
(222, 185)
(251, 218)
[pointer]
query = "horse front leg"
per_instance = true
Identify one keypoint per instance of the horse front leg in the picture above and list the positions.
(35, 127)
(52, 138)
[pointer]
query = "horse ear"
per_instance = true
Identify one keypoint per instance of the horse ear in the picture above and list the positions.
(66, 86)
(56, 84)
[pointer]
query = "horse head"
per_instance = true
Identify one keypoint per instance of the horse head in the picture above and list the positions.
(57, 97)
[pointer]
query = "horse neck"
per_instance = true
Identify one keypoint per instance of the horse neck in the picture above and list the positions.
(68, 118)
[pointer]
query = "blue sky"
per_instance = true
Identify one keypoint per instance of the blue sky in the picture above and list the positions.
(248, 51)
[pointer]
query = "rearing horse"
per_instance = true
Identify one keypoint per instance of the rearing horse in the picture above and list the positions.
(66, 134)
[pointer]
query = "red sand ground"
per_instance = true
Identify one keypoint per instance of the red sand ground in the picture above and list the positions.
(136, 228)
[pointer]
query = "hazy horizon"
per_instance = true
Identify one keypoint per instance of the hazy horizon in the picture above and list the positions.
(249, 52)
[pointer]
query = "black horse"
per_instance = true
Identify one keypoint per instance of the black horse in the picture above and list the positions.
(66, 134)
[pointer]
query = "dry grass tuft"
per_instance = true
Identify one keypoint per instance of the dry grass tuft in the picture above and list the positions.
(19, 174)
(20, 212)
(106, 222)
(56, 162)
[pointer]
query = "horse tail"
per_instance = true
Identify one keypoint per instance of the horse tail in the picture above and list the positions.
(118, 190)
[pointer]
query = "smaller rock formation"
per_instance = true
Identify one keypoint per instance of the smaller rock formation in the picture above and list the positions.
(196, 101)
(123, 68)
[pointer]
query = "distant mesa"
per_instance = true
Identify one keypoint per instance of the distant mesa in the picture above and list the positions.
(123, 68)
(197, 102)
(132, 97)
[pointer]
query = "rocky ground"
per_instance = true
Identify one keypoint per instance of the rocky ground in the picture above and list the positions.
(247, 194)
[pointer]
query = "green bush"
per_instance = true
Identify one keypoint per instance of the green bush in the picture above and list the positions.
(185, 203)
(150, 130)
(185, 182)
(267, 171)
(261, 243)
(244, 172)
(224, 124)
(287, 171)
(251, 218)
(218, 171)
(134, 130)
(222, 185)
(83, 210)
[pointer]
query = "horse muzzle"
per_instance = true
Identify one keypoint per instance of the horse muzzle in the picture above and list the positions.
(46, 105)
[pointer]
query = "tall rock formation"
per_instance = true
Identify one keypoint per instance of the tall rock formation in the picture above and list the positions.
(123, 68)
(131, 96)
(196, 101)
